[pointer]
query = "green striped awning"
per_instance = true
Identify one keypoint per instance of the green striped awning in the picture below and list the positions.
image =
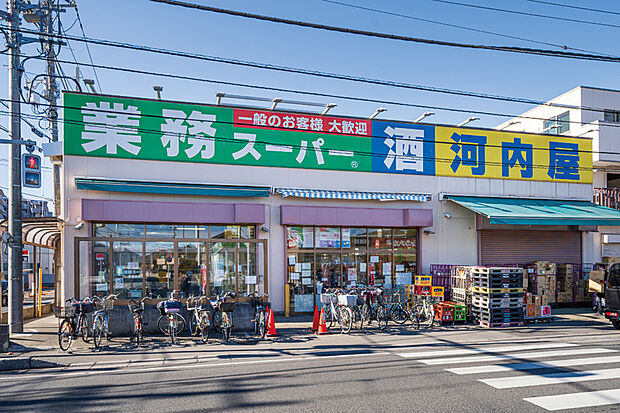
(524, 211)
(173, 188)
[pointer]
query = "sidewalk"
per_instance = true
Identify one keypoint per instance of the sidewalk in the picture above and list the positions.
(37, 347)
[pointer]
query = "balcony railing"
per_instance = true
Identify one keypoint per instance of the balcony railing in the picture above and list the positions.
(609, 197)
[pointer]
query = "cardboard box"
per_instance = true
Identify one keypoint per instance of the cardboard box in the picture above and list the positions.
(565, 267)
(544, 300)
(537, 300)
(598, 275)
(529, 298)
(545, 311)
(531, 310)
(595, 286)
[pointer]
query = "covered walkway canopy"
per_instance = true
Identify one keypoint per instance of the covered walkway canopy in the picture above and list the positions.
(526, 211)
(41, 232)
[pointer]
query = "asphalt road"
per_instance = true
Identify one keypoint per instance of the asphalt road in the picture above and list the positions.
(447, 369)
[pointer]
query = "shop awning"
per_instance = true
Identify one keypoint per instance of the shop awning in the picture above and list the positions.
(353, 195)
(173, 188)
(523, 211)
(41, 231)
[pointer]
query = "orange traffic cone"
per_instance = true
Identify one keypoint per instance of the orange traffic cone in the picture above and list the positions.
(271, 331)
(315, 319)
(322, 327)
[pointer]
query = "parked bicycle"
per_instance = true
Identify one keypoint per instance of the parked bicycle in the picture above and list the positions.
(395, 309)
(199, 317)
(223, 307)
(101, 325)
(336, 310)
(261, 312)
(137, 309)
(171, 322)
(424, 311)
(74, 322)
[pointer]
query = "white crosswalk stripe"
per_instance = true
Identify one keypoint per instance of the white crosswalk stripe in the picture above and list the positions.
(496, 359)
(499, 368)
(577, 400)
(504, 357)
(497, 349)
(552, 378)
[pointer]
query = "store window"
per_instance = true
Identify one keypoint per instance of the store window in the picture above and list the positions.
(159, 271)
(300, 237)
(156, 259)
(127, 279)
(379, 238)
(347, 257)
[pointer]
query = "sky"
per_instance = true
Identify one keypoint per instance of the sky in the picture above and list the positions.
(143, 22)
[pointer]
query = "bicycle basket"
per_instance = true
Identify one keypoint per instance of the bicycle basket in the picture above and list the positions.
(326, 298)
(107, 304)
(347, 299)
(227, 306)
(166, 307)
(64, 312)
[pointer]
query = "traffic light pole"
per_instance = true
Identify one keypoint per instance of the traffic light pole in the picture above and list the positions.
(16, 277)
(52, 93)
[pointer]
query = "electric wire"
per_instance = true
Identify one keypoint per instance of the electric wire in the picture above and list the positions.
(229, 139)
(346, 30)
(90, 56)
(522, 13)
(457, 26)
(315, 73)
(353, 98)
(570, 6)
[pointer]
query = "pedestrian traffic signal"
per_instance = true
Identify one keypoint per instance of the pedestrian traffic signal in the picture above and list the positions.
(31, 171)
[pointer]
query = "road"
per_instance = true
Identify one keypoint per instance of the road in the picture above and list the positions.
(570, 364)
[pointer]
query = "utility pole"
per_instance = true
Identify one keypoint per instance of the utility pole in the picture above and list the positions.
(52, 93)
(16, 277)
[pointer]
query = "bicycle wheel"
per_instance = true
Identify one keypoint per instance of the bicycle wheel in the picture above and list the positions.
(172, 328)
(262, 324)
(139, 331)
(226, 327)
(216, 321)
(162, 324)
(193, 324)
(346, 319)
(328, 317)
(367, 311)
(98, 330)
(415, 321)
(382, 317)
(398, 314)
(84, 329)
(204, 327)
(65, 335)
(180, 324)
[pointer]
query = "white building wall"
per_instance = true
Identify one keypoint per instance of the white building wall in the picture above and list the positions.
(454, 240)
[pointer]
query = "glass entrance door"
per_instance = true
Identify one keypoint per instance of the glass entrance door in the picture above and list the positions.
(222, 275)
(192, 264)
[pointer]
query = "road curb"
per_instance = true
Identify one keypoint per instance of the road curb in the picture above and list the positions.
(24, 363)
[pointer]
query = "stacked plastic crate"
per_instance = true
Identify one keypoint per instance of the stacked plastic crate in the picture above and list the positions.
(497, 299)
(461, 284)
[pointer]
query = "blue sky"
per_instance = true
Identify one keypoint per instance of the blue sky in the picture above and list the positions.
(146, 23)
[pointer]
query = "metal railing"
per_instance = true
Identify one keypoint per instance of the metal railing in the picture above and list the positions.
(608, 197)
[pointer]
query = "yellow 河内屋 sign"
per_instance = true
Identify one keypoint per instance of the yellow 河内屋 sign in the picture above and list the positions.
(508, 155)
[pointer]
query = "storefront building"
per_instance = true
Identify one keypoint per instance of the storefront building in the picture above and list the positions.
(188, 197)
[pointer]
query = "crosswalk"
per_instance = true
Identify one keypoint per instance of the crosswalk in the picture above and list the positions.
(531, 365)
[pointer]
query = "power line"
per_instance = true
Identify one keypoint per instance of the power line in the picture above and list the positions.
(513, 49)
(308, 72)
(352, 98)
(522, 13)
(228, 139)
(90, 56)
(570, 6)
(457, 26)
(373, 81)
